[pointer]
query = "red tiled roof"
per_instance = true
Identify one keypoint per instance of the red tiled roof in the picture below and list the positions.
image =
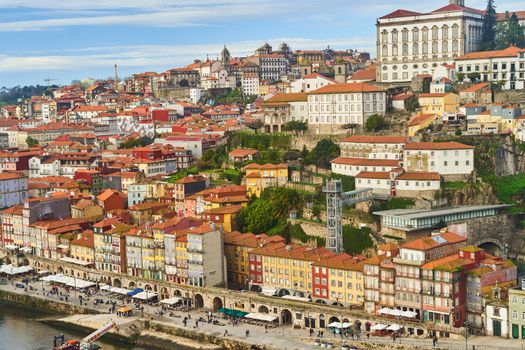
(420, 119)
(503, 16)
(436, 146)
(376, 139)
(365, 162)
(427, 243)
(419, 176)
(240, 152)
(476, 87)
(510, 51)
(384, 175)
(455, 8)
(400, 13)
(365, 74)
(346, 88)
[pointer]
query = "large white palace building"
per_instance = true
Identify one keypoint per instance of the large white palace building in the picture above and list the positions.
(412, 43)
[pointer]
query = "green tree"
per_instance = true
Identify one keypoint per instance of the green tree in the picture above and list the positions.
(259, 217)
(488, 34)
(356, 240)
(255, 125)
(375, 122)
(316, 211)
(458, 132)
(513, 33)
(460, 77)
(323, 153)
(412, 104)
(473, 77)
(31, 142)
(296, 126)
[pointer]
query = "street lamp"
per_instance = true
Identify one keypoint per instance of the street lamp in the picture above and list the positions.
(465, 333)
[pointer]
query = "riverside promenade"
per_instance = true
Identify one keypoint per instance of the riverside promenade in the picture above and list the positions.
(282, 337)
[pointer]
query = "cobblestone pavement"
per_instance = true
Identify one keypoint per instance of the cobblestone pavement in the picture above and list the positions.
(283, 337)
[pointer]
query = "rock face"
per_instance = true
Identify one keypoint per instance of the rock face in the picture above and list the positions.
(471, 194)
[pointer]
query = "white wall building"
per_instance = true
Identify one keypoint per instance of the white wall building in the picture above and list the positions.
(400, 183)
(309, 83)
(41, 166)
(446, 158)
(250, 83)
(353, 166)
(373, 147)
(506, 65)
(411, 43)
(335, 105)
(206, 260)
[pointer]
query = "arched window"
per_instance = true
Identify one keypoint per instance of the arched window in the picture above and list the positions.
(455, 31)
(415, 49)
(435, 32)
(384, 37)
(444, 46)
(425, 33)
(405, 49)
(404, 35)
(394, 50)
(435, 47)
(455, 46)
(415, 34)
(384, 51)
(444, 32)
(425, 48)
(394, 36)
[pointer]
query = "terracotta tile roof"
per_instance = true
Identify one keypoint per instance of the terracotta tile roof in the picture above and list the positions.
(366, 162)
(400, 13)
(240, 152)
(402, 96)
(11, 176)
(476, 87)
(83, 204)
(84, 239)
(14, 210)
(108, 193)
(368, 73)
(266, 166)
(232, 209)
(419, 176)
(427, 95)
(511, 51)
(455, 8)
(317, 75)
(373, 175)
(346, 88)
(503, 16)
(449, 145)
(420, 119)
(293, 251)
(288, 97)
(451, 263)
(427, 243)
(341, 261)
(376, 139)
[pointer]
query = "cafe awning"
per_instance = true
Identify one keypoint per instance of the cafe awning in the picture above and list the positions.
(378, 327)
(269, 291)
(118, 290)
(125, 309)
(145, 295)
(390, 312)
(340, 325)
(171, 301)
(408, 314)
(261, 317)
(394, 327)
(296, 298)
(231, 312)
(75, 261)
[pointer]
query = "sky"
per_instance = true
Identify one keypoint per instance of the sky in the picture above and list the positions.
(76, 39)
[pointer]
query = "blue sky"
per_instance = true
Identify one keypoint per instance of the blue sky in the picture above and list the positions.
(76, 39)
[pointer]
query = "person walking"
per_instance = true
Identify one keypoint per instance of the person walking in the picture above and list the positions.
(247, 333)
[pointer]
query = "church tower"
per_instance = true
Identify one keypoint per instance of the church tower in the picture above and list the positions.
(340, 71)
(225, 56)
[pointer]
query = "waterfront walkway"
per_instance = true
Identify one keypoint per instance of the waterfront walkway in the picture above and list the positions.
(282, 337)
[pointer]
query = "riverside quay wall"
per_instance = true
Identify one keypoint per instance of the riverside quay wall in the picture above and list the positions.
(298, 314)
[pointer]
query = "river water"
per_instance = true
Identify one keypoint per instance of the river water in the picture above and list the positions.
(21, 330)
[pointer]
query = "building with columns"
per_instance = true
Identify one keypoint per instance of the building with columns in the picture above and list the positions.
(411, 43)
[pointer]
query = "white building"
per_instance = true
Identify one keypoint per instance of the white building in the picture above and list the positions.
(453, 160)
(40, 166)
(13, 189)
(506, 65)
(272, 66)
(334, 105)
(206, 260)
(309, 83)
(373, 147)
(353, 166)
(411, 43)
(250, 83)
(398, 183)
(87, 112)
(195, 95)
(497, 319)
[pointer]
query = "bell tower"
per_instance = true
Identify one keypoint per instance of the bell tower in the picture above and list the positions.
(457, 2)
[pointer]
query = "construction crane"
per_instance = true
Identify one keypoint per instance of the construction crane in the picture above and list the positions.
(88, 343)
(335, 199)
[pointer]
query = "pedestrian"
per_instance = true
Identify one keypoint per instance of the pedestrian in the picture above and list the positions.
(226, 333)
(266, 329)
(311, 331)
(196, 323)
(368, 335)
(322, 334)
(247, 333)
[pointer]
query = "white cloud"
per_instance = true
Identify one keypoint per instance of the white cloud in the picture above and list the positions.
(157, 56)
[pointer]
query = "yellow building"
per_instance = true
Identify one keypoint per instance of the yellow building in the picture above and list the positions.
(345, 279)
(181, 254)
(223, 216)
(87, 209)
(420, 122)
(260, 177)
(438, 103)
(287, 268)
(237, 248)
(82, 247)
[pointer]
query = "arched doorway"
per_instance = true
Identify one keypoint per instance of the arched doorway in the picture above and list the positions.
(148, 288)
(164, 294)
(177, 293)
(255, 288)
(320, 301)
(321, 321)
(60, 269)
(217, 303)
(333, 319)
(199, 301)
(286, 317)
(263, 309)
(492, 246)
(337, 304)
(132, 285)
(117, 283)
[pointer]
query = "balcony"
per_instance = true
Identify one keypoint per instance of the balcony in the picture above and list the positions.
(196, 262)
(195, 250)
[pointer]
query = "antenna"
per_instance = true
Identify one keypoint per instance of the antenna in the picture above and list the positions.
(116, 84)
(48, 80)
